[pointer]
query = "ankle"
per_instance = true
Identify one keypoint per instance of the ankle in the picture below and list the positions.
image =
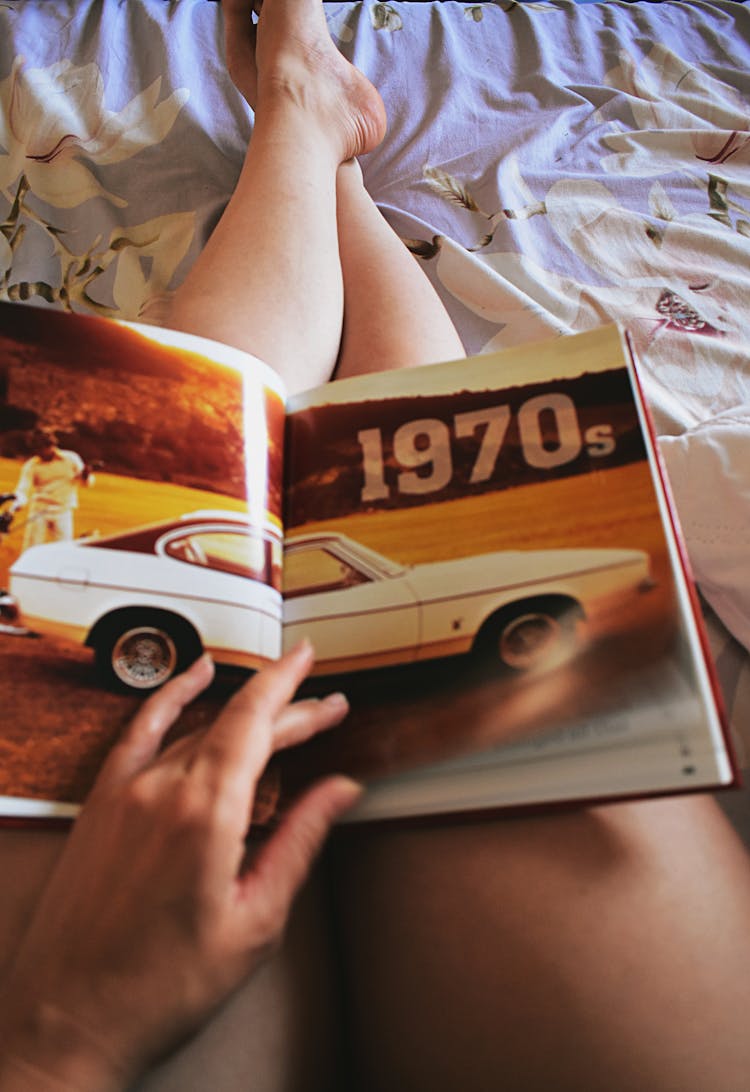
(284, 117)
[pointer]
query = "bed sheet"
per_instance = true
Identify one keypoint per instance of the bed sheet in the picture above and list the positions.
(553, 166)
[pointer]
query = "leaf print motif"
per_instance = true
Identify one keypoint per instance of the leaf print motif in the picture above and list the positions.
(717, 199)
(26, 290)
(6, 258)
(483, 242)
(164, 242)
(456, 192)
(422, 248)
(449, 187)
(537, 209)
(384, 17)
(660, 204)
(720, 204)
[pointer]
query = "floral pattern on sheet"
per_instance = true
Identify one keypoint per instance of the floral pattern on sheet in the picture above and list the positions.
(683, 118)
(385, 17)
(55, 131)
(674, 267)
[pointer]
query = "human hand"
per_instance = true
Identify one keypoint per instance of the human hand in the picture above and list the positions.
(152, 916)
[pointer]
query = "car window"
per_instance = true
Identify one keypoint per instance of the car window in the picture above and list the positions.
(235, 552)
(314, 569)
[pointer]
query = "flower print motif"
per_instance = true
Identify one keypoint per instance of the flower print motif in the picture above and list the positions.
(681, 290)
(144, 258)
(679, 315)
(684, 266)
(385, 17)
(163, 243)
(681, 115)
(526, 302)
(52, 118)
(679, 287)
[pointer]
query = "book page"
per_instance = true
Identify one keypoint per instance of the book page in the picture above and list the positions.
(477, 552)
(141, 477)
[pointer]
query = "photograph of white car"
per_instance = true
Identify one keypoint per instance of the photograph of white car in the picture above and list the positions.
(520, 608)
(150, 600)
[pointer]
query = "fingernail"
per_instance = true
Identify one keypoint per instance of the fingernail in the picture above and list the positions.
(337, 700)
(204, 661)
(303, 650)
(351, 790)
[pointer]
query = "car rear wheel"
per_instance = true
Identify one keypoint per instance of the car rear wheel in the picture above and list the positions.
(531, 635)
(143, 651)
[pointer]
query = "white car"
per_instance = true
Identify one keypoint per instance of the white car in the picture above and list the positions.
(148, 601)
(521, 608)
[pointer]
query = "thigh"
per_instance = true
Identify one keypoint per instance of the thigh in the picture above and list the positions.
(27, 856)
(606, 948)
(278, 1032)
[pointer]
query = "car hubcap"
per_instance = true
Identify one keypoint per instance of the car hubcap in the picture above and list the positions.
(527, 640)
(144, 658)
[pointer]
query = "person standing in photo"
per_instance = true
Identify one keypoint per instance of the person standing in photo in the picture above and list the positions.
(48, 489)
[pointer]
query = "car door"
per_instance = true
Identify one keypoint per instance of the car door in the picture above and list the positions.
(354, 616)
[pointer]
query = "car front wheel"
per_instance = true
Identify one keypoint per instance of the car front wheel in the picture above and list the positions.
(143, 652)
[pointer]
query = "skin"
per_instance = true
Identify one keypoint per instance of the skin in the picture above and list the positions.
(154, 913)
(603, 948)
(302, 269)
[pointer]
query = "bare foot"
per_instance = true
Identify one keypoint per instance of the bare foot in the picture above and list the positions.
(290, 56)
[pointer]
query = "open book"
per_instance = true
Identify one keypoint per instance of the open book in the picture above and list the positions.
(482, 553)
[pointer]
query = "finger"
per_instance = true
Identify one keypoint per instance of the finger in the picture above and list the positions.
(240, 742)
(285, 861)
(296, 723)
(143, 737)
(303, 719)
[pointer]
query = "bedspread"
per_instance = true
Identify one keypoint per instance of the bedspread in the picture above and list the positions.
(553, 167)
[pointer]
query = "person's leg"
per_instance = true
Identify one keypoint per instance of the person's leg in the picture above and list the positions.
(301, 250)
(393, 318)
(269, 279)
(595, 949)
